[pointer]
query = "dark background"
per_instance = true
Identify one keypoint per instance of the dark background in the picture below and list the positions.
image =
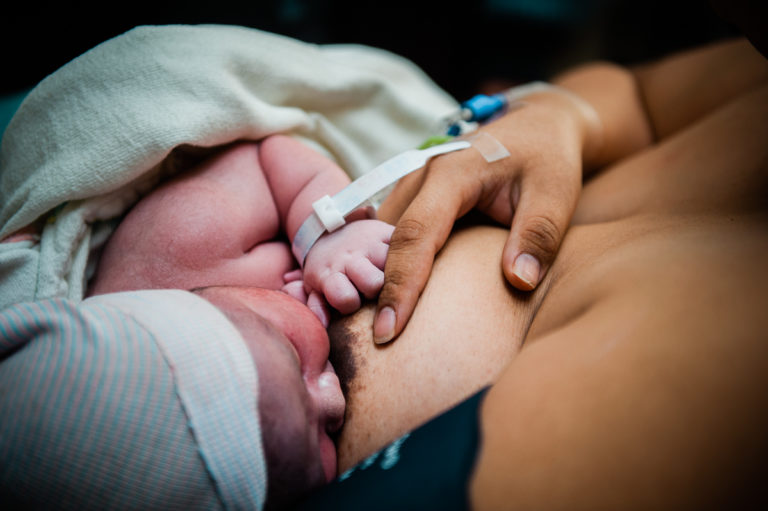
(464, 48)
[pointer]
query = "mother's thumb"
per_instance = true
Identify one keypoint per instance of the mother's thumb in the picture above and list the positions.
(530, 249)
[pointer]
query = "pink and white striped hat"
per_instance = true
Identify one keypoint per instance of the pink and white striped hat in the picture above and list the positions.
(140, 400)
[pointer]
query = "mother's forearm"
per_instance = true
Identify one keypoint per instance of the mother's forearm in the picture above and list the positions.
(615, 95)
(681, 88)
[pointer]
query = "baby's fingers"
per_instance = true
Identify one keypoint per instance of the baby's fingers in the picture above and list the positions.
(319, 307)
(377, 253)
(295, 289)
(366, 276)
(293, 275)
(341, 294)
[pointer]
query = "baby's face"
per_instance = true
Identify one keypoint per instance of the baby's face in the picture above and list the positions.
(300, 400)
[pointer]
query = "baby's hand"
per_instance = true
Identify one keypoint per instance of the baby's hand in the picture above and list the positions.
(347, 262)
(294, 286)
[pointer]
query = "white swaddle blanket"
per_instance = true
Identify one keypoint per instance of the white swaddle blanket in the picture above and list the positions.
(93, 136)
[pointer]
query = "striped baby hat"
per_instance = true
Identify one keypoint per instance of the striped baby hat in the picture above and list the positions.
(133, 400)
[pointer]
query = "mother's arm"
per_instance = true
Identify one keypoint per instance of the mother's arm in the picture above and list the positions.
(635, 107)
(618, 410)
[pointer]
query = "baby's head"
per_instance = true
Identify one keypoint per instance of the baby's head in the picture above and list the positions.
(169, 398)
(189, 234)
(300, 400)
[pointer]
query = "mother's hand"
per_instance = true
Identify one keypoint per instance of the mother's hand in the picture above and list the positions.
(534, 190)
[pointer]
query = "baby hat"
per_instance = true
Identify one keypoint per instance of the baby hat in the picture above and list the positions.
(132, 400)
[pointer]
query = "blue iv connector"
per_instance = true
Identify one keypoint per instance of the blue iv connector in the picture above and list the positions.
(479, 108)
(484, 107)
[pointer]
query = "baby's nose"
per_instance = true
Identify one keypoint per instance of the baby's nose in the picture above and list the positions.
(330, 401)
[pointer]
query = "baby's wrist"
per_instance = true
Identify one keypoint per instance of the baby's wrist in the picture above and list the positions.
(362, 213)
(325, 219)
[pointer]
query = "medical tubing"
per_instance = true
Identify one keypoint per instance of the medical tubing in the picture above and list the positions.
(482, 107)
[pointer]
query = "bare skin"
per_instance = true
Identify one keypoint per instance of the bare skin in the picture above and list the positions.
(634, 376)
(444, 355)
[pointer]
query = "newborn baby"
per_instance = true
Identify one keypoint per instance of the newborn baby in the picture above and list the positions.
(224, 229)
(230, 221)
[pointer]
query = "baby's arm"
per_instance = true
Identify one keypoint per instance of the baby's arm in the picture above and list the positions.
(342, 264)
(297, 177)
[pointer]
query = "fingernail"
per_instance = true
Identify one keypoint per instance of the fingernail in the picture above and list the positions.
(321, 315)
(384, 325)
(527, 269)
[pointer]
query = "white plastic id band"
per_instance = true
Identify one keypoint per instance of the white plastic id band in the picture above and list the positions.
(487, 145)
(328, 214)
(330, 211)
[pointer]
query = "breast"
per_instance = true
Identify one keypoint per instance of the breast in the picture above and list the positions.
(672, 240)
(712, 265)
(468, 326)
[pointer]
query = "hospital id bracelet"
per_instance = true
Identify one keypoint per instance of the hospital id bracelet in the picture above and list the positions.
(330, 212)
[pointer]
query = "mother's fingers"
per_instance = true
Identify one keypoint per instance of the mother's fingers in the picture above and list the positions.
(543, 213)
(418, 235)
(401, 196)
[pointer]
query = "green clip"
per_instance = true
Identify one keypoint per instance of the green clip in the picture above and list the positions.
(435, 140)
